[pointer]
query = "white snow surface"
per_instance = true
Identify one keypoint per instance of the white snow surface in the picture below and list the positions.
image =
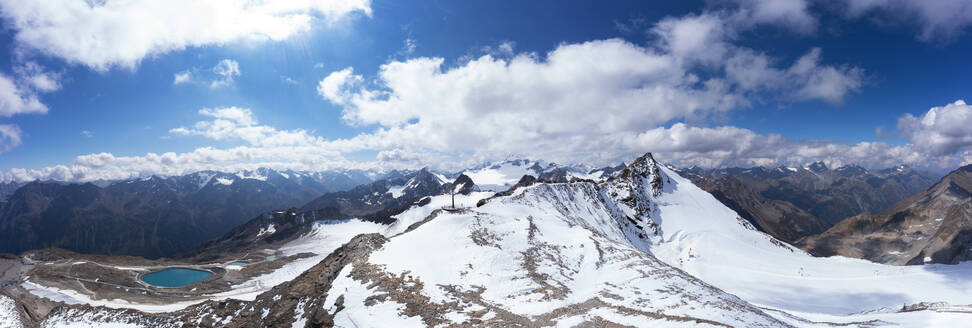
(204, 177)
(99, 318)
(754, 266)
(9, 318)
(545, 248)
(396, 191)
(69, 296)
(268, 230)
(224, 181)
(325, 237)
(502, 176)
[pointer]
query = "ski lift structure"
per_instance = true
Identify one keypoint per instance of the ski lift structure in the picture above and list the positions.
(453, 207)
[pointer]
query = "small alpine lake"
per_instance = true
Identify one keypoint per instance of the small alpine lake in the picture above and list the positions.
(175, 277)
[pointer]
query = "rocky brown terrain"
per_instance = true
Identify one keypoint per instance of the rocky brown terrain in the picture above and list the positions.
(934, 226)
(791, 203)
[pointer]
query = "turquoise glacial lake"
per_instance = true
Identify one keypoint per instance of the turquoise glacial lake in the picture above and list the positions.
(175, 277)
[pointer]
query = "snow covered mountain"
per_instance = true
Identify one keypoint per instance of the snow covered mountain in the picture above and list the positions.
(643, 247)
(503, 175)
(382, 194)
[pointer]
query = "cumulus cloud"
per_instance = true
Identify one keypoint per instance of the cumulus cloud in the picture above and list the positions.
(19, 94)
(816, 81)
(679, 144)
(257, 146)
(15, 99)
(87, 134)
(943, 130)
(103, 34)
(707, 39)
(9, 137)
(685, 145)
(227, 70)
(181, 77)
(577, 99)
(334, 86)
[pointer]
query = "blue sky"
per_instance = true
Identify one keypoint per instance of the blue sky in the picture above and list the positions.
(868, 66)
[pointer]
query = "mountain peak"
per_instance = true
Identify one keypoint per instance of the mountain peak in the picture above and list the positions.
(817, 167)
(644, 167)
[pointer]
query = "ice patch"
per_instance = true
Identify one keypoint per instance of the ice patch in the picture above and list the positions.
(268, 230)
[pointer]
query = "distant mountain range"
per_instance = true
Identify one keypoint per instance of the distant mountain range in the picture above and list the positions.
(156, 216)
(791, 203)
(934, 226)
(162, 216)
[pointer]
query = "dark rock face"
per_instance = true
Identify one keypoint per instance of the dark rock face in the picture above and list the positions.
(934, 226)
(8, 188)
(153, 217)
(464, 185)
(792, 203)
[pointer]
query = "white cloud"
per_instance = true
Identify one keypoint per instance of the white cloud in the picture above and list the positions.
(182, 77)
(943, 130)
(578, 99)
(334, 86)
(700, 38)
(9, 137)
(684, 145)
(408, 46)
(679, 144)
(828, 83)
(16, 99)
(37, 78)
(103, 34)
(87, 134)
(288, 80)
(226, 71)
(936, 19)
(707, 40)
(791, 13)
(19, 93)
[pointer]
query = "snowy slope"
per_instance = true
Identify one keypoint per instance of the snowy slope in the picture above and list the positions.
(501, 176)
(551, 254)
(704, 238)
(9, 318)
